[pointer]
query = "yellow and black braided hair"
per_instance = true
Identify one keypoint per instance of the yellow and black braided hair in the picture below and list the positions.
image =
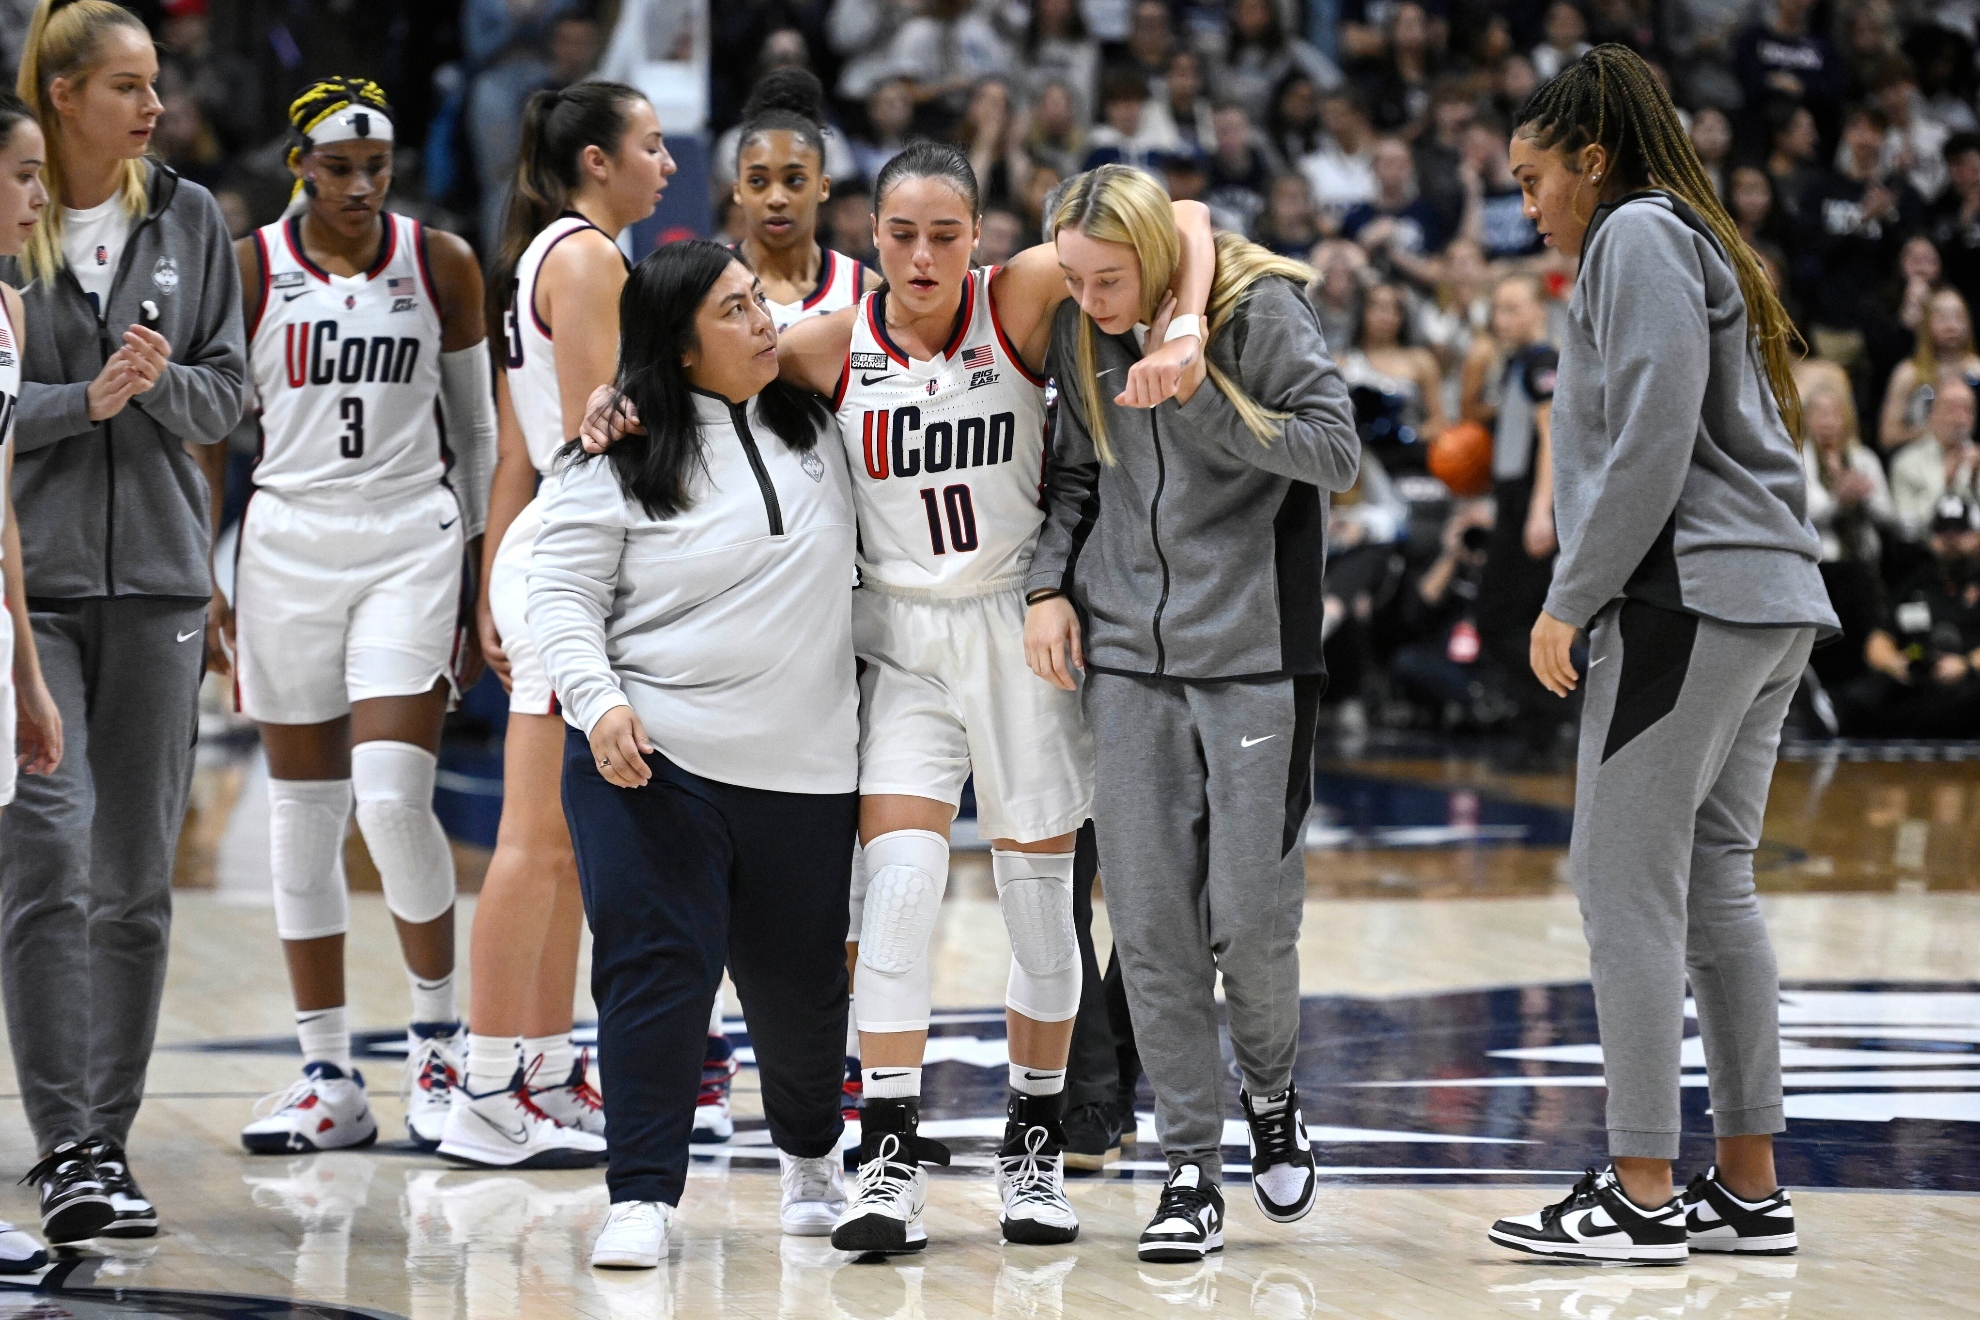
(324, 99)
(1610, 98)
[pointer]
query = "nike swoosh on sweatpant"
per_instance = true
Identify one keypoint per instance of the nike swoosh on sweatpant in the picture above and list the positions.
(194, 633)
(1253, 742)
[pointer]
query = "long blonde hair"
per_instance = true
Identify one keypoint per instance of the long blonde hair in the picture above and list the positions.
(1120, 204)
(62, 42)
(1925, 362)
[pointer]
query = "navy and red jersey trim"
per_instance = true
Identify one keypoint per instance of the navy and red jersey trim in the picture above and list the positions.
(293, 232)
(1004, 340)
(426, 268)
(828, 267)
(534, 315)
(845, 377)
(876, 321)
(267, 276)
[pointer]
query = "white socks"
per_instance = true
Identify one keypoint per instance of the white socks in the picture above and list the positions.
(433, 1001)
(325, 1037)
(891, 1083)
(557, 1054)
(491, 1063)
(306, 823)
(1037, 1081)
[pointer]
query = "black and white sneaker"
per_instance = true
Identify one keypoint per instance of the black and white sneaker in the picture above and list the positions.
(136, 1217)
(1188, 1223)
(1031, 1174)
(19, 1253)
(1598, 1222)
(74, 1204)
(1283, 1179)
(1716, 1220)
(891, 1191)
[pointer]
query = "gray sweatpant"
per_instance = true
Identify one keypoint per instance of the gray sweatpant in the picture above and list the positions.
(86, 860)
(1199, 803)
(1678, 740)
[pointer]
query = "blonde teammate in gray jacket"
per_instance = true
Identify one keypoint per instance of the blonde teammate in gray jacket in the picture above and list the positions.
(1688, 558)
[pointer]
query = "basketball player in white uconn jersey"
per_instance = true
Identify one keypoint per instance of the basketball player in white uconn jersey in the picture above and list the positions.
(366, 345)
(935, 381)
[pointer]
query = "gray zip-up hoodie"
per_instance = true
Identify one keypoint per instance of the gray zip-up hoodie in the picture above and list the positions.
(1198, 555)
(118, 508)
(1675, 479)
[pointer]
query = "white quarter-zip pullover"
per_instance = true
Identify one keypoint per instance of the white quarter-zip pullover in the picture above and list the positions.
(727, 627)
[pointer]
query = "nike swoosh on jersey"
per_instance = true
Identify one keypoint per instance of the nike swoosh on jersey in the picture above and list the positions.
(875, 380)
(194, 633)
(450, 522)
(1253, 742)
(291, 297)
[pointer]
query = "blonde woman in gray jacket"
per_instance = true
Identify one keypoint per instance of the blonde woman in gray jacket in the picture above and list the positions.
(1180, 566)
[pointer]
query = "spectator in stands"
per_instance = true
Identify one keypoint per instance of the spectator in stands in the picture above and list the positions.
(1397, 387)
(1712, 138)
(861, 32)
(1400, 229)
(1755, 208)
(1444, 669)
(1565, 40)
(1867, 38)
(1849, 503)
(1186, 176)
(988, 136)
(1038, 186)
(945, 51)
(1793, 143)
(1293, 129)
(1781, 59)
(1240, 168)
(1953, 220)
(1151, 42)
(185, 141)
(1944, 61)
(1118, 141)
(1495, 209)
(1287, 226)
(1925, 658)
(1853, 221)
(1342, 171)
(1941, 462)
(850, 221)
(1054, 133)
(1512, 82)
(1257, 51)
(1056, 47)
(1914, 142)
(1944, 346)
(1461, 316)
(1179, 119)
(889, 126)
(1440, 151)
(1001, 237)
(1336, 294)
(1365, 525)
(1398, 88)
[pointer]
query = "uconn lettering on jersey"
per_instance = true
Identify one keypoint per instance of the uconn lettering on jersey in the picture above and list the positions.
(896, 445)
(313, 355)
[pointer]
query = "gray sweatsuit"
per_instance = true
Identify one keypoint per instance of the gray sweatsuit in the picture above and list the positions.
(1687, 554)
(115, 528)
(1195, 561)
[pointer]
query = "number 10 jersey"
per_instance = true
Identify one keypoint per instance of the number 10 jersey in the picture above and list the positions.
(947, 455)
(347, 368)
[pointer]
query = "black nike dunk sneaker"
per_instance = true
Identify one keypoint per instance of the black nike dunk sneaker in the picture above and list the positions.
(1597, 1222)
(1716, 1220)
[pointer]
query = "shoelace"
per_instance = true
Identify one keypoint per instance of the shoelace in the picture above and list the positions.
(1583, 1190)
(632, 1214)
(1031, 1174)
(433, 1072)
(1277, 1135)
(276, 1101)
(886, 1176)
(715, 1081)
(52, 1163)
(810, 1180)
(582, 1090)
(1184, 1203)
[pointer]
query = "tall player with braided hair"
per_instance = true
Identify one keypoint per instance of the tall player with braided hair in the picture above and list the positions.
(366, 347)
(1687, 555)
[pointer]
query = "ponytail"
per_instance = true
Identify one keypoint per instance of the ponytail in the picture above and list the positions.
(62, 42)
(1610, 98)
(556, 128)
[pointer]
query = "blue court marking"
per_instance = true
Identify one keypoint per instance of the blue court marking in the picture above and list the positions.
(1364, 811)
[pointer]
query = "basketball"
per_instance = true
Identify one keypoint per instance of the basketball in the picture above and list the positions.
(1461, 458)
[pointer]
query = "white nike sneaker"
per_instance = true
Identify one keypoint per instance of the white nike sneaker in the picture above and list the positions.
(1031, 1181)
(507, 1130)
(324, 1110)
(634, 1236)
(433, 1073)
(889, 1195)
(19, 1253)
(814, 1194)
(575, 1102)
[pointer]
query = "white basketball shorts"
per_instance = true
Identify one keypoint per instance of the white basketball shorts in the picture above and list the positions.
(343, 602)
(946, 692)
(8, 770)
(508, 594)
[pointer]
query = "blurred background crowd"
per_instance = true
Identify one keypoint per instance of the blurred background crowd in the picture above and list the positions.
(1368, 138)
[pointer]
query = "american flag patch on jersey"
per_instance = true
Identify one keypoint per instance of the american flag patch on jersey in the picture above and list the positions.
(981, 356)
(6, 340)
(404, 284)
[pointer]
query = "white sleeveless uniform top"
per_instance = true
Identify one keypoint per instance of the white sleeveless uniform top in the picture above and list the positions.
(348, 369)
(531, 356)
(839, 281)
(11, 349)
(947, 456)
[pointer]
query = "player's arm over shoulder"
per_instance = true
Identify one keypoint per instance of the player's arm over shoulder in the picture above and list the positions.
(457, 279)
(813, 353)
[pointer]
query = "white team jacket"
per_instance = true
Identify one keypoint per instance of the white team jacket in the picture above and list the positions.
(728, 627)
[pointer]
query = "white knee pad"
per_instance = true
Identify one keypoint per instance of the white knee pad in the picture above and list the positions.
(907, 872)
(1035, 891)
(856, 902)
(394, 784)
(306, 823)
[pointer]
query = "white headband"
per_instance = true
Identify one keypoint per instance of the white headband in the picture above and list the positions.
(352, 124)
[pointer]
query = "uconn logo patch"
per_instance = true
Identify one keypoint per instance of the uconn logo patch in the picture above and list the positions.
(165, 275)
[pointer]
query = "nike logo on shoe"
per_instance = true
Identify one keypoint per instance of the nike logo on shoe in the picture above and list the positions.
(1253, 742)
(520, 1136)
(194, 633)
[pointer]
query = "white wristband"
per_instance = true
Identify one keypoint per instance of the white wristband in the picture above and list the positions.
(1184, 326)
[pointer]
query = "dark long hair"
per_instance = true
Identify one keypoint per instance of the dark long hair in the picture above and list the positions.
(1611, 98)
(556, 128)
(657, 311)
